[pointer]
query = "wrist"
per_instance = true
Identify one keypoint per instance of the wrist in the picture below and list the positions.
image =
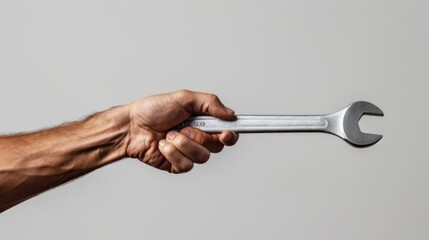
(113, 127)
(121, 117)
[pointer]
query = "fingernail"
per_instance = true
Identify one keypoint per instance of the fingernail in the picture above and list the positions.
(187, 132)
(171, 135)
(229, 110)
(161, 142)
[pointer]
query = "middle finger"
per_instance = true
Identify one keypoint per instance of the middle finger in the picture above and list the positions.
(187, 146)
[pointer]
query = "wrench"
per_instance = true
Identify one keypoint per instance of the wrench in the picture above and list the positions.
(343, 123)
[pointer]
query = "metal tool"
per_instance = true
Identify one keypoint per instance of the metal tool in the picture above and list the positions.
(343, 124)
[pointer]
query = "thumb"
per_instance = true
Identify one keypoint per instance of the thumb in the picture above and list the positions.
(205, 103)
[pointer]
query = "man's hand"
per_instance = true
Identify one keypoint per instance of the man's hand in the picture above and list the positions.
(35, 162)
(151, 137)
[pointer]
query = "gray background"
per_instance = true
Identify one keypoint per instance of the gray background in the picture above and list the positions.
(62, 60)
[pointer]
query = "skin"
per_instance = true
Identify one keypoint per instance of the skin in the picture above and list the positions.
(32, 163)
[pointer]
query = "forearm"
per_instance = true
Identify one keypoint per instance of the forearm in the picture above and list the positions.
(32, 163)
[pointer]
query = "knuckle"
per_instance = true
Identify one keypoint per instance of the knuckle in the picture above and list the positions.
(188, 132)
(197, 136)
(168, 148)
(203, 137)
(203, 141)
(180, 140)
(183, 93)
(214, 98)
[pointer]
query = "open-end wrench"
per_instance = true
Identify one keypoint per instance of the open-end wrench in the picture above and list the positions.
(343, 123)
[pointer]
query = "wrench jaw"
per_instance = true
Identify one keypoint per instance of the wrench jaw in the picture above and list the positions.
(352, 132)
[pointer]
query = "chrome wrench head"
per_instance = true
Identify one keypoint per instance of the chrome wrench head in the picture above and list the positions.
(349, 129)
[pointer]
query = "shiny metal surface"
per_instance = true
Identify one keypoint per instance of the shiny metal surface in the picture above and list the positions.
(343, 123)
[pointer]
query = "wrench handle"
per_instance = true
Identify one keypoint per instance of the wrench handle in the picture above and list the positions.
(259, 123)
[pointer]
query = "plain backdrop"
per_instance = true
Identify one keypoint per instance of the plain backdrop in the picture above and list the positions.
(63, 60)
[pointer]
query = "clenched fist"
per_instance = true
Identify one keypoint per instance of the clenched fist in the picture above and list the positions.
(152, 140)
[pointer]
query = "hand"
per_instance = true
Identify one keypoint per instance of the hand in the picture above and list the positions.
(152, 141)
